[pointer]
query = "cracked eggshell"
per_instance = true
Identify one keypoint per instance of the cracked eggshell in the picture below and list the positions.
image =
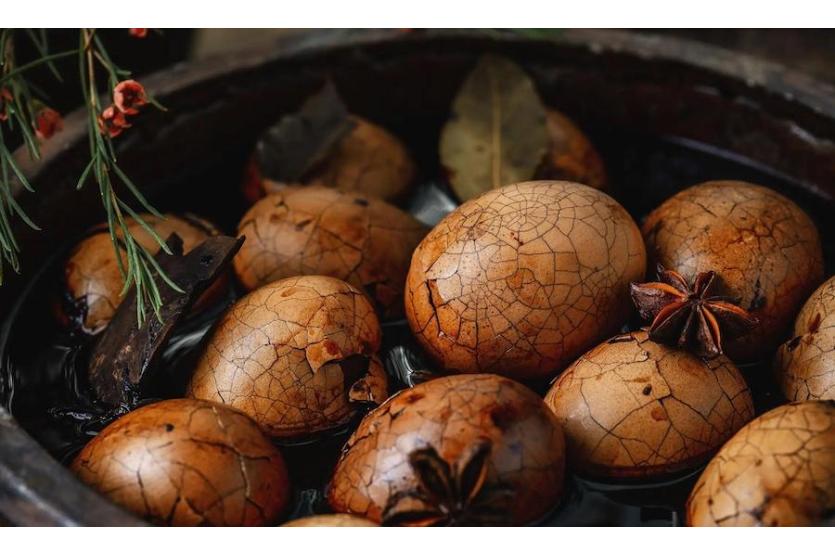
(523, 279)
(764, 247)
(779, 470)
(296, 355)
(631, 407)
(319, 231)
(572, 156)
(92, 280)
(339, 520)
(450, 414)
(369, 161)
(805, 365)
(184, 462)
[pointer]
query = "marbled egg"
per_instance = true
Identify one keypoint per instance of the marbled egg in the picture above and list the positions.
(762, 245)
(297, 355)
(631, 407)
(523, 279)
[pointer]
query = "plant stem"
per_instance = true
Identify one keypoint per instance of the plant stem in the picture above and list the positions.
(46, 59)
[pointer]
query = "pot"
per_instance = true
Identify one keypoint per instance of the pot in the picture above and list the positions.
(665, 113)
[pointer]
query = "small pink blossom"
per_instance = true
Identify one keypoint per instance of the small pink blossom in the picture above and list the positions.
(47, 123)
(5, 99)
(112, 121)
(128, 96)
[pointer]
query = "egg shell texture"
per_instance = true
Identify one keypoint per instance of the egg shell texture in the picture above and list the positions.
(779, 470)
(450, 414)
(805, 365)
(523, 279)
(319, 231)
(184, 462)
(631, 407)
(764, 247)
(282, 354)
(572, 156)
(369, 160)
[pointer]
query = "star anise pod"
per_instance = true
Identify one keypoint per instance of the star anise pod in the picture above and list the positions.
(692, 316)
(450, 495)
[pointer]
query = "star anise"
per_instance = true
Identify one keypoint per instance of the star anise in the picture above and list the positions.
(692, 316)
(450, 495)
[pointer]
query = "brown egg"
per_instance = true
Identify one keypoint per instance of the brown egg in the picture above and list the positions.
(805, 365)
(339, 520)
(369, 160)
(319, 231)
(184, 462)
(297, 355)
(631, 407)
(765, 249)
(523, 279)
(779, 470)
(92, 279)
(466, 449)
(572, 156)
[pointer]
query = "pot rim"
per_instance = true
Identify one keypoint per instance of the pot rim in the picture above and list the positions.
(35, 489)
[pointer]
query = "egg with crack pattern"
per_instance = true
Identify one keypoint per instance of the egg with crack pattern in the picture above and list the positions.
(298, 355)
(185, 462)
(765, 249)
(633, 408)
(779, 470)
(319, 231)
(805, 365)
(521, 280)
(458, 450)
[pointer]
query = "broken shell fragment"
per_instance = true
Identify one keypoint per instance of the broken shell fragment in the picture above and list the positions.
(523, 279)
(297, 355)
(631, 407)
(466, 450)
(185, 462)
(318, 231)
(805, 365)
(779, 470)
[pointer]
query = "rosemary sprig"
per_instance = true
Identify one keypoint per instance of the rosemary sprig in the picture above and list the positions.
(15, 109)
(137, 264)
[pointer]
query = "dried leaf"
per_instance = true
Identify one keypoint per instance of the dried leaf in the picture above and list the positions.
(291, 148)
(496, 134)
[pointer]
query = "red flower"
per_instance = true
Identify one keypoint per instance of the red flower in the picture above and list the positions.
(138, 33)
(112, 121)
(128, 96)
(47, 123)
(5, 99)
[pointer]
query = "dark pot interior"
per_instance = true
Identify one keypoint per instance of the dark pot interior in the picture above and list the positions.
(665, 114)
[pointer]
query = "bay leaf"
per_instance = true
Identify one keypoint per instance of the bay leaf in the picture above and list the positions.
(291, 148)
(496, 134)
